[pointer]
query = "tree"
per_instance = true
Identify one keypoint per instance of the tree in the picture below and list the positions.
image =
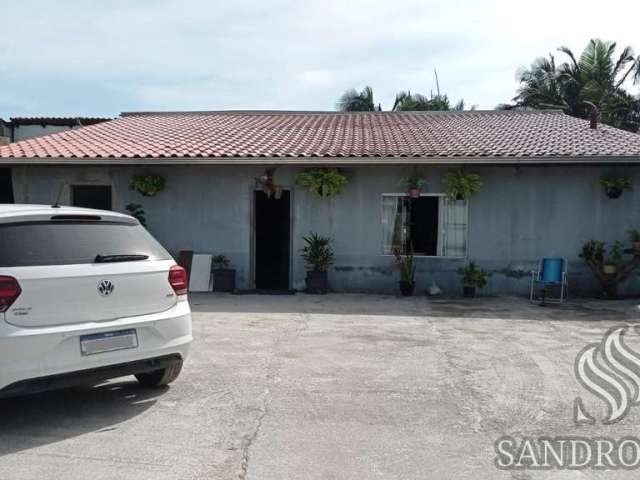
(539, 85)
(406, 102)
(597, 76)
(352, 101)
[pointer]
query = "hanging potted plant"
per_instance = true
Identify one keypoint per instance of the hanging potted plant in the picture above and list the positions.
(224, 278)
(406, 267)
(634, 235)
(614, 186)
(147, 185)
(614, 260)
(461, 185)
(414, 184)
(472, 279)
(318, 256)
(324, 182)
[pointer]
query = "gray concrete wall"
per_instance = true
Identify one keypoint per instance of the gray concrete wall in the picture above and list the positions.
(24, 132)
(520, 215)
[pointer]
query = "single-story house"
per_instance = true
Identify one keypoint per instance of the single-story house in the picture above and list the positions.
(23, 128)
(541, 191)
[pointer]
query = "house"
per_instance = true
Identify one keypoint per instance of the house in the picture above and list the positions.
(23, 128)
(541, 192)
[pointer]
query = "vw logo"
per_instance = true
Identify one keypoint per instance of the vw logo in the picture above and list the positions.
(105, 288)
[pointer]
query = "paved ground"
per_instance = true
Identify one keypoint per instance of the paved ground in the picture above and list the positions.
(336, 387)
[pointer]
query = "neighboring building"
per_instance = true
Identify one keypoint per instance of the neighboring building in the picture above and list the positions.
(24, 128)
(541, 193)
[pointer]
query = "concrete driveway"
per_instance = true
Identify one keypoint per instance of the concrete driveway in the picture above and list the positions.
(335, 387)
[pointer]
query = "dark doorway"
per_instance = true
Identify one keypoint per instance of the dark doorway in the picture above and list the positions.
(6, 186)
(423, 225)
(92, 196)
(272, 237)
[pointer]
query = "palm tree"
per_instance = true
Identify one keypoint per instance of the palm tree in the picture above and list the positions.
(352, 101)
(597, 76)
(539, 85)
(412, 102)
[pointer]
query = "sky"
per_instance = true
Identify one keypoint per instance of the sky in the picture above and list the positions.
(100, 58)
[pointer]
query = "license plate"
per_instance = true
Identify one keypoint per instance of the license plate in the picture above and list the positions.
(108, 341)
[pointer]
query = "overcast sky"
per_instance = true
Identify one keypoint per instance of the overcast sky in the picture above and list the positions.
(84, 57)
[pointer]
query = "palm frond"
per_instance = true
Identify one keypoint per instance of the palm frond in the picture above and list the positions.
(352, 101)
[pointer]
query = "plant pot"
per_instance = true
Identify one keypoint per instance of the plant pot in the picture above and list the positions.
(317, 282)
(414, 192)
(224, 280)
(407, 288)
(468, 291)
(613, 192)
(609, 269)
(610, 291)
(636, 246)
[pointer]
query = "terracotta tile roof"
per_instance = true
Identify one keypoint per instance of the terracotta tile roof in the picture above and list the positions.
(472, 136)
(62, 121)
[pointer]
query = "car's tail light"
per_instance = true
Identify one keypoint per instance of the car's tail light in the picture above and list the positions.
(178, 280)
(9, 291)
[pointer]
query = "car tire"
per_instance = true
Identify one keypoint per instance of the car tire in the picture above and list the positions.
(160, 378)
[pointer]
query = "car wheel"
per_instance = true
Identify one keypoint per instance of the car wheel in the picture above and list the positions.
(159, 378)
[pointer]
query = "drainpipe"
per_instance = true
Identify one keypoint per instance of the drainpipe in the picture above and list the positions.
(593, 115)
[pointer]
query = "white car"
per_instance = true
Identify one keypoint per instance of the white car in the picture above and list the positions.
(85, 296)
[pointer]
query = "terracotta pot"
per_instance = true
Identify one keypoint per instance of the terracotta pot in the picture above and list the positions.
(414, 192)
(609, 269)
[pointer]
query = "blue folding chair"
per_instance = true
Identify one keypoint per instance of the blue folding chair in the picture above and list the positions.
(550, 275)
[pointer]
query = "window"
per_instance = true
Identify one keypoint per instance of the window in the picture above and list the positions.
(91, 196)
(430, 225)
(6, 186)
(71, 242)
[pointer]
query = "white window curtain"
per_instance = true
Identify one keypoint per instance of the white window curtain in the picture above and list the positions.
(454, 228)
(393, 223)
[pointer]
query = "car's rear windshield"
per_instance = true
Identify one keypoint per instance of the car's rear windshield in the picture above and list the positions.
(73, 242)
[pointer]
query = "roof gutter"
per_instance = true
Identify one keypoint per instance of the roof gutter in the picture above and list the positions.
(320, 161)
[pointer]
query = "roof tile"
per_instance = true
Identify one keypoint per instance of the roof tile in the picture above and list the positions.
(470, 134)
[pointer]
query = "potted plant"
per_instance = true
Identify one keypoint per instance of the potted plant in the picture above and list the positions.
(147, 185)
(615, 259)
(613, 270)
(224, 278)
(414, 184)
(593, 251)
(472, 279)
(325, 182)
(318, 256)
(461, 185)
(614, 186)
(634, 234)
(406, 267)
(136, 211)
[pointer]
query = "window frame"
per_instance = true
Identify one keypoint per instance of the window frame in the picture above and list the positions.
(73, 185)
(441, 233)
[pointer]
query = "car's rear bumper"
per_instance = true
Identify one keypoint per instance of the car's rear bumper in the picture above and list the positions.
(91, 376)
(37, 353)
